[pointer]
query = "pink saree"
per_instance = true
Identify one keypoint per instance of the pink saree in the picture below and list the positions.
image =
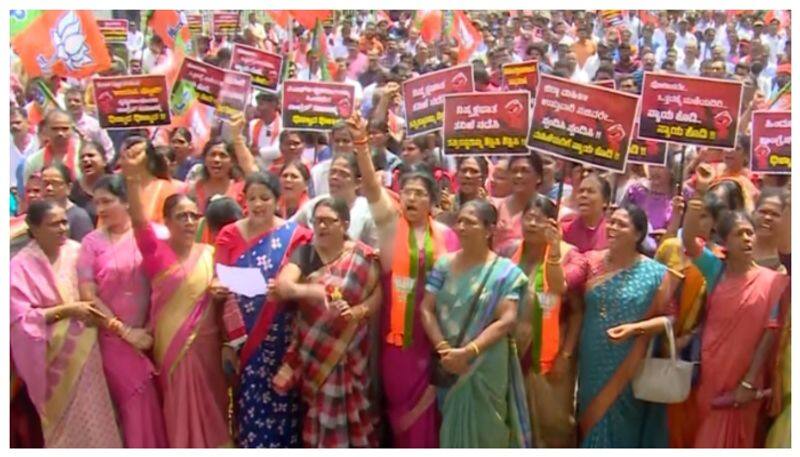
(60, 362)
(115, 270)
(740, 309)
(187, 343)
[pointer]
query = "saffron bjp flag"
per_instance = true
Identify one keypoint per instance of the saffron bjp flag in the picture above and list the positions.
(172, 27)
(466, 35)
(429, 24)
(308, 18)
(67, 43)
(281, 18)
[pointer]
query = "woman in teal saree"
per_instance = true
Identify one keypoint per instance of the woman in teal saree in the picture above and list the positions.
(626, 302)
(486, 406)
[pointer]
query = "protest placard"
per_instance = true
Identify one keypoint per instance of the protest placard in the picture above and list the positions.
(521, 75)
(227, 91)
(205, 79)
(424, 96)
(483, 123)
(194, 21)
(771, 142)
(234, 94)
(125, 102)
(315, 105)
(647, 152)
(225, 23)
(690, 110)
(114, 30)
(583, 123)
(263, 67)
(607, 83)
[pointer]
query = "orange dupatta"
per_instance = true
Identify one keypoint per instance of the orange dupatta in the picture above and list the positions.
(404, 277)
(546, 324)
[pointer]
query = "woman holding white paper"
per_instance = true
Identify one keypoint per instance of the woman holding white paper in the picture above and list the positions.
(264, 418)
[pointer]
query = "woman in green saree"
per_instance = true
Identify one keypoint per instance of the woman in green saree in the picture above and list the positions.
(486, 406)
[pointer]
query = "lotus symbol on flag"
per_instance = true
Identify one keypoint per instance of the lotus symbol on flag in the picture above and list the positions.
(70, 43)
(459, 81)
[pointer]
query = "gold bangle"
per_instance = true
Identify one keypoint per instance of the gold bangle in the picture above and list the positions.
(475, 348)
(360, 142)
(552, 261)
(442, 344)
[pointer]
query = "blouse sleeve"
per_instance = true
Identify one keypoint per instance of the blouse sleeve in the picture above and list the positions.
(155, 254)
(575, 269)
(438, 275)
(85, 262)
(223, 245)
(709, 265)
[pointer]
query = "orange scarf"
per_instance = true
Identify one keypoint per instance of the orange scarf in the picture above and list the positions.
(69, 158)
(546, 323)
(403, 283)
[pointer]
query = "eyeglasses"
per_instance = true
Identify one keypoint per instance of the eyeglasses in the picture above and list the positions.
(418, 194)
(187, 216)
(326, 221)
(53, 183)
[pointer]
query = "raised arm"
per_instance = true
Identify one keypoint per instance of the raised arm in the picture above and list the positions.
(691, 227)
(243, 155)
(370, 183)
(131, 161)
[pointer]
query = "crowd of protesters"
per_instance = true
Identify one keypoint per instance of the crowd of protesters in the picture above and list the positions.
(413, 299)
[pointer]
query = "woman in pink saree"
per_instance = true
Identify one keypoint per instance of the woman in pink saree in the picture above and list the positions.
(53, 338)
(410, 242)
(184, 314)
(738, 334)
(110, 274)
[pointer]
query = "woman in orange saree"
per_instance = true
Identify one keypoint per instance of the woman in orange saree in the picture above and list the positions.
(739, 332)
(53, 338)
(682, 417)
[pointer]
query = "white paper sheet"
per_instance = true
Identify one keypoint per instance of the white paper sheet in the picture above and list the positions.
(243, 281)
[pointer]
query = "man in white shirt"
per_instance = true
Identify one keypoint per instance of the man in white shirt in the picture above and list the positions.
(255, 27)
(661, 52)
(135, 41)
(341, 77)
(312, 71)
(264, 130)
(684, 35)
(87, 125)
(157, 57)
(576, 74)
(23, 144)
(690, 64)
